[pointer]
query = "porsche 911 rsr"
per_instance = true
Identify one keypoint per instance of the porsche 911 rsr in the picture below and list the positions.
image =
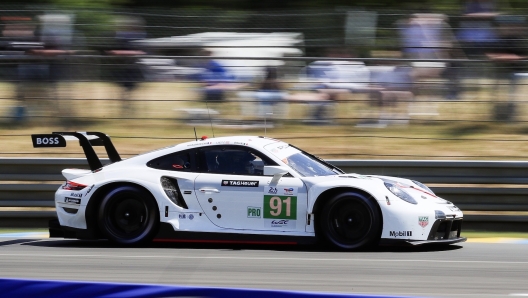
(246, 189)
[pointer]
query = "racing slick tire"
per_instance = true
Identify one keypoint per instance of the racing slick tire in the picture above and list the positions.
(350, 221)
(128, 215)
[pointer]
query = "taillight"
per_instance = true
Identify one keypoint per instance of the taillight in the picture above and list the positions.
(70, 185)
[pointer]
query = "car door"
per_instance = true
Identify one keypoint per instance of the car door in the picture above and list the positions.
(234, 193)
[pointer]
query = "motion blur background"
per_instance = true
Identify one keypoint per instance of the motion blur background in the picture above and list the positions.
(343, 79)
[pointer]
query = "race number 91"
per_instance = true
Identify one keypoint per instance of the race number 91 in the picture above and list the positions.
(280, 207)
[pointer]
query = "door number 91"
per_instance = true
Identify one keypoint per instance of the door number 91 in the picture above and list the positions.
(280, 207)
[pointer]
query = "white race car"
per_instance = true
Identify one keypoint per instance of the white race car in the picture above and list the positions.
(243, 189)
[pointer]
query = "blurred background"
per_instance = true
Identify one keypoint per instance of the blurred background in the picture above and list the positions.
(379, 79)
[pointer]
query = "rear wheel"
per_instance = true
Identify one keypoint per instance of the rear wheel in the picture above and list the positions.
(350, 221)
(128, 215)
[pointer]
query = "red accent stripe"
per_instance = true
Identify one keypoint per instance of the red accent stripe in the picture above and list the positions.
(225, 241)
(419, 189)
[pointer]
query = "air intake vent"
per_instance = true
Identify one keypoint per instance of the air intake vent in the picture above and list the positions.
(170, 186)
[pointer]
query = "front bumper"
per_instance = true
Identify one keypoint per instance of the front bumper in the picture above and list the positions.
(443, 231)
(405, 242)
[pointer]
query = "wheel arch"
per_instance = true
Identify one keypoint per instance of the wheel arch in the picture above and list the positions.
(322, 199)
(96, 199)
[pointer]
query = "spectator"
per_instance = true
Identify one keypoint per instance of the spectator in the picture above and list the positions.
(429, 37)
(127, 72)
(506, 56)
(216, 79)
(270, 93)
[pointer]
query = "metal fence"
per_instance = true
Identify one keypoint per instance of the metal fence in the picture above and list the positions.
(396, 72)
(493, 194)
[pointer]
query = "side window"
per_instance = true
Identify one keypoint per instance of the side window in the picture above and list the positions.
(234, 160)
(178, 161)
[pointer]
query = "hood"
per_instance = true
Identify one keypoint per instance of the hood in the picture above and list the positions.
(417, 191)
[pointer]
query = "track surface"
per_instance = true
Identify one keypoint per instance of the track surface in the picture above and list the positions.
(466, 270)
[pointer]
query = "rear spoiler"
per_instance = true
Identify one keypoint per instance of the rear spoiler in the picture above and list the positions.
(56, 139)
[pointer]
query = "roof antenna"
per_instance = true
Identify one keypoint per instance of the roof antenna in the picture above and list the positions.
(210, 121)
(195, 136)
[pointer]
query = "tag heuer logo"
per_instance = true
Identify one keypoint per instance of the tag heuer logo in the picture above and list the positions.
(423, 221)
(240, 183)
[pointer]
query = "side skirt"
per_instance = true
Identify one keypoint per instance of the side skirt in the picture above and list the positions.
(168, 234)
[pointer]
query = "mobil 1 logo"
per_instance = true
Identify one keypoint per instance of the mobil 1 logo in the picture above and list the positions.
(48, 140)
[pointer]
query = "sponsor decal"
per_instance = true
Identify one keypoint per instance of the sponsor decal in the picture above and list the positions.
(388, 201)
(241, 183)
(284, 224)
(191, 217)
(76, 194)
(272, 190)
(279, 223)
(48, 140)
(181, 216)
(423, 221)
(72, 200)
(400, 233)
(199, 144)
(240, 143)
(288, 191)
(222, 142)
(90, 189)
(254, 212)
(424, 197)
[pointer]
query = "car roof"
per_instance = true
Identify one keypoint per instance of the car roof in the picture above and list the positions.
(256, 142)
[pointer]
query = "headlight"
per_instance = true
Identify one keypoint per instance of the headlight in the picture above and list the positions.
(421, 185)
(400, 193)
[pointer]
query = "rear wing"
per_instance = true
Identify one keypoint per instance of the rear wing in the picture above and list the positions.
(86, 141)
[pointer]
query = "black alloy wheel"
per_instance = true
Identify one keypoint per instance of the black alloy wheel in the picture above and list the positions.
(129, 215)
(350, 221)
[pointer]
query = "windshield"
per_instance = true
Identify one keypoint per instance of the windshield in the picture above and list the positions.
(300, 161)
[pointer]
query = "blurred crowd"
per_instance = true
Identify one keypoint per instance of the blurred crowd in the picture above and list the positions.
(40, 52)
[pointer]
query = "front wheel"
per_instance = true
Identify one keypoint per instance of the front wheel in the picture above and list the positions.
(128, 215)
(350, 221)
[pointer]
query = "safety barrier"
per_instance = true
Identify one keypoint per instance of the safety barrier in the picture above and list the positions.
(493, 193)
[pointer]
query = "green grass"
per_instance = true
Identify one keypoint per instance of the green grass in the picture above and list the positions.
(437, 129)
(22, 230)
(484, 234)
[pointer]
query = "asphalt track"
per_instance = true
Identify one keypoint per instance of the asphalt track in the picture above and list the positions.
(470, 269)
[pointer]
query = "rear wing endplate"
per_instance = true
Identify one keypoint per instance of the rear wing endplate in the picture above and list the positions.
(86, 140)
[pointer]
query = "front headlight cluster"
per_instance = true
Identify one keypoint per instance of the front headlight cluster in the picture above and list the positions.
(400, 193)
